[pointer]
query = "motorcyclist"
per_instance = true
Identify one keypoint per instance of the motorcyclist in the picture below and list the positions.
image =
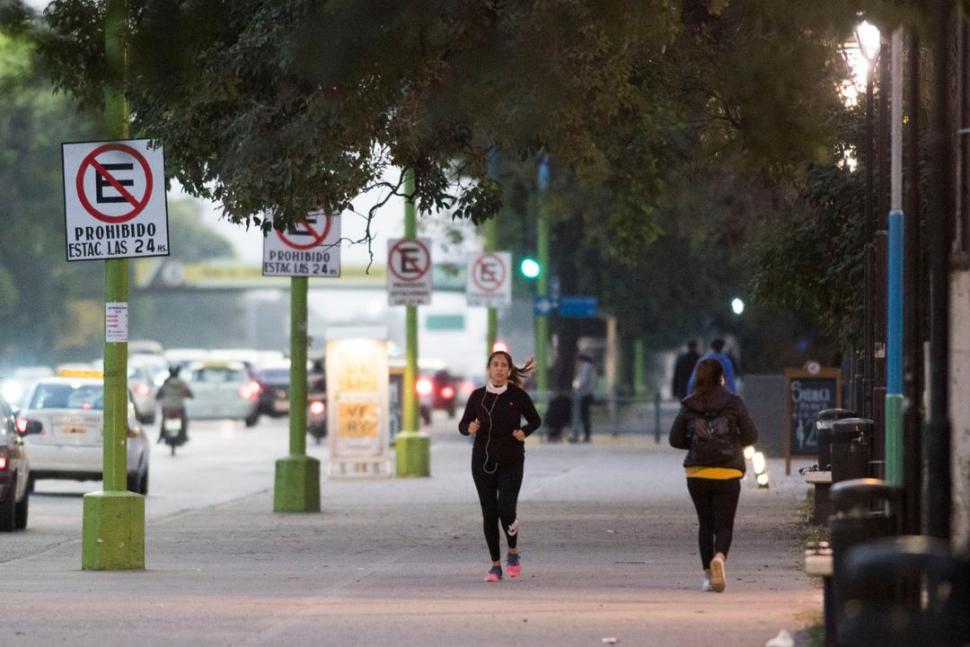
(172, 395)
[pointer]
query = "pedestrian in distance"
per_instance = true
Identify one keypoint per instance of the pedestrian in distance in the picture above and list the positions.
(716, 352)
(584, 386)
(493, 415)
(714, 427)
(558, 416)
(683, 368)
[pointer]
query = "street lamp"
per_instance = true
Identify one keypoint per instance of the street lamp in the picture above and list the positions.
(737, 306)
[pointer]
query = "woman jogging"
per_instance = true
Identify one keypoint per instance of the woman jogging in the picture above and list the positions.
(493, 415)
(714, 426)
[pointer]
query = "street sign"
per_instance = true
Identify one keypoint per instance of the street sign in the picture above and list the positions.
(310, 248)
(541, 306)
(114, 200)
(409, 271)
(489, 280)
(573, 307)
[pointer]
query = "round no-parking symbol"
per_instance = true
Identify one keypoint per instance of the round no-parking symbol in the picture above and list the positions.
(489, 272)
(409, 260)
(117, 187)
(312, 232)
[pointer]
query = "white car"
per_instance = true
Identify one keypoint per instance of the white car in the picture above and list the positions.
(69, 408)
(222, 390)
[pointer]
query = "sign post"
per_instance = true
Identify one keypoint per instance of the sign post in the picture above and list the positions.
(409, 284)
(310, 248)
(114, 209)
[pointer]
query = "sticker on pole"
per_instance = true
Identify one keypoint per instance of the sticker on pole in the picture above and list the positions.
(409, 271)
(114, 200)
(116, 322)
(489, 282)
(310, 248)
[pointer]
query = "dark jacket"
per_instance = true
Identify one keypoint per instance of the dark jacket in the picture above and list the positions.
(682, 370)
(498, 419)
(718, 401)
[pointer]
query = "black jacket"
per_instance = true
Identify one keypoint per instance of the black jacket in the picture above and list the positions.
(498, 419)
(718, 401)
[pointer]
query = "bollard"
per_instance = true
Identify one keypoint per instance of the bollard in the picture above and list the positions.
(656, 414)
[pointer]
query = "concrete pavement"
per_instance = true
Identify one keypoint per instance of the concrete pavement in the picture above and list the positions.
(608, 542)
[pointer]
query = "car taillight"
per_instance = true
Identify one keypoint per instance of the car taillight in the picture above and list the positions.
(22, 425)
(249, 390)
(3, 463)
(140, 388)
(316, 408)
(447, 392)
(423, 386)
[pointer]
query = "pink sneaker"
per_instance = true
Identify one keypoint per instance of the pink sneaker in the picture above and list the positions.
(494, 574)
(512, 565)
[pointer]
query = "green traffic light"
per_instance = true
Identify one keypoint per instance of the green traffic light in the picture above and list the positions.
(530, 268)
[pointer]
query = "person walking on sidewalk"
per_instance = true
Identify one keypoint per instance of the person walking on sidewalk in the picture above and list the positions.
(584, 385)
(683, 368)
(714, 427)
(727, 364)
(493, 415)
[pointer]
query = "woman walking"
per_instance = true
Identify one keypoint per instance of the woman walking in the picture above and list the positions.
(493, 415)
(714, 426)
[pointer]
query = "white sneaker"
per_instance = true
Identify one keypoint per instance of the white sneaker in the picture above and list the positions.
(717, 574)
(706, 586)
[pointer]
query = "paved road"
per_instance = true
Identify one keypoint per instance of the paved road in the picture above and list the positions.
(608, 541)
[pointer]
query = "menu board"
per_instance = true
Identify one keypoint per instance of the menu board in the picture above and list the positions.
(807, 392)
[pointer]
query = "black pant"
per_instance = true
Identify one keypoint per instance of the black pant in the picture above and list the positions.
(716, 502)
(498, 493)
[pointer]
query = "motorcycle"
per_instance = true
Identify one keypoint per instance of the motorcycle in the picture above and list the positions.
(173, 428)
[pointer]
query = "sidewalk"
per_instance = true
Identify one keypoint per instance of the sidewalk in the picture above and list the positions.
(608, 542)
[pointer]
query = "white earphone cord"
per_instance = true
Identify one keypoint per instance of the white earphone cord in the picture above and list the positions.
(488, 441)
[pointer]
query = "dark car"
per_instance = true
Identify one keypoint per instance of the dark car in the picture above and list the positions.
(274, 398)
(437, 391)
(14, 469)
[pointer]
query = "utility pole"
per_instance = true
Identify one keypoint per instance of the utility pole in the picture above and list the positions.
(412, 446)
(113, 526)
(542, 285)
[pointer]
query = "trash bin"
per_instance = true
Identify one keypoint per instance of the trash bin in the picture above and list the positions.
(851, 440)
(823, 434)
(876, 579)
(866, 509)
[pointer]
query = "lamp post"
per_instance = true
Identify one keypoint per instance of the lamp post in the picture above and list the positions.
(868, 40)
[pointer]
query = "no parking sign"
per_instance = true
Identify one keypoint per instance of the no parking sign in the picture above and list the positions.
(489, 281)
(114, 200)
(310, 248)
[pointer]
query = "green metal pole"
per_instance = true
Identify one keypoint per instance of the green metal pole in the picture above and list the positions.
(639, 367)
(297, 484)
(491, 330)
(412, 447)
(542, 285)
(113, 520)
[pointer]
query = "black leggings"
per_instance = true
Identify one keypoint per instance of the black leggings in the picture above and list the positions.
(716, 502)
(498, 494)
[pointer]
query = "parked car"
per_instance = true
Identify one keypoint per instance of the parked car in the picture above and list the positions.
(69, 409)
(222, 390)
(14, 470)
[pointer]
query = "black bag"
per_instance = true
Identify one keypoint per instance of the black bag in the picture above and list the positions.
(714, 440)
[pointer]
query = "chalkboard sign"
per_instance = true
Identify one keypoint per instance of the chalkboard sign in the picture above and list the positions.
(807, 392)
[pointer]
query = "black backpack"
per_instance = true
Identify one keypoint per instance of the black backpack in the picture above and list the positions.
(714, 440)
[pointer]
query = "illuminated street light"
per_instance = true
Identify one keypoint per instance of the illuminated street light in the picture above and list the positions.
(737, 305)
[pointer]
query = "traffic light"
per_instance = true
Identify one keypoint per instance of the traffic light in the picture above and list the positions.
(530, 268)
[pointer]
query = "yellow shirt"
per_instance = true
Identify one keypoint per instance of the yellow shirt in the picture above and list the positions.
(719, 473)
